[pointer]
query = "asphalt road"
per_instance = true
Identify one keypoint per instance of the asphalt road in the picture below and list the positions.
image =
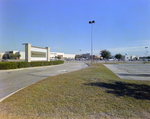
(13, 80)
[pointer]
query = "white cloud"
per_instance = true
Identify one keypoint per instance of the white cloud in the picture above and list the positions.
(143, 43)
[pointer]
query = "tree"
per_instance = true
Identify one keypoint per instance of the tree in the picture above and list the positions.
(148, 57)
(78, 56)
(19, 56)
(118, 56)
(105, 54)
(4, 56)
(14, 56)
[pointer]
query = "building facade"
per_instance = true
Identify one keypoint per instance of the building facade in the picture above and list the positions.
(69, 56)
(62, 56)
(1, 55)
(7, 54)
(86, 56)
(127, 57)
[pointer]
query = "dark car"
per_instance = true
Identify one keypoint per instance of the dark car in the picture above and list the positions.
(4, 60)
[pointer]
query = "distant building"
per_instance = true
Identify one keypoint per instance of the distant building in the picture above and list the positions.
(63, 56)
(22, 54)
(56, 55)
(86, 56)
(135, 57)
(127, 57)
(69, 56)
(1, 55)
(53, 55)
(97, 57)
(7, 54)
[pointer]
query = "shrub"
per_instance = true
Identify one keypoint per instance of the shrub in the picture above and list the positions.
(14, 65)
(23, 64)
(57, 62)
(34, 64)
(8, 65)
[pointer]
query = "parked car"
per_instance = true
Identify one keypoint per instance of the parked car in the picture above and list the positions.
(5, 60)
(110, 59)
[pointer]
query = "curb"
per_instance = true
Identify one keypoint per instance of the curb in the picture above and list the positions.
(11, 94)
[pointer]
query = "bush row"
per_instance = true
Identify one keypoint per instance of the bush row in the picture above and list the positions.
(15, 65)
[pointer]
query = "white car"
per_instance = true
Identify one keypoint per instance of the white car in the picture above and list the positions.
(110, 59)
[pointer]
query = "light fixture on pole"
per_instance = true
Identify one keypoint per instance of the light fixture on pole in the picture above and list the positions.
(91, 22)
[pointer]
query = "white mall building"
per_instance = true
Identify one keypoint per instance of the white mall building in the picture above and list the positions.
(127, 57)
(63, 56)
(53, 55)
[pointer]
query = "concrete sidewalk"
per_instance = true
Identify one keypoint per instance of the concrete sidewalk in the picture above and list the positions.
(131, 71)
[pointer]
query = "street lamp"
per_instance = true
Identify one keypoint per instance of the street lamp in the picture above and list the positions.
(91, 22)
(80, 54)
(146, 51)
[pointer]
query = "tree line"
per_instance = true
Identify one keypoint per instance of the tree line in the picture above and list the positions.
(106, 55)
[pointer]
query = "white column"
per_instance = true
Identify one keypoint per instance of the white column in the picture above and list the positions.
(48, 53)
(28, 52)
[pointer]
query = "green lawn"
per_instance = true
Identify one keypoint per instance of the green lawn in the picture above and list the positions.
(95, 92)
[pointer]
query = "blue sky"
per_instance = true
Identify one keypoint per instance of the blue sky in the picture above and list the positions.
(121, 26)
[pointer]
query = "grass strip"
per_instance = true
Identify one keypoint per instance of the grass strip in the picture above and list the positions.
(95, 92)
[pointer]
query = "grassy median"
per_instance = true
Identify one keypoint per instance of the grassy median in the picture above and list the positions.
(95, 92)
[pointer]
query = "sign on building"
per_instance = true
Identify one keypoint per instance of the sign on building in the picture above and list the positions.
(33, 53)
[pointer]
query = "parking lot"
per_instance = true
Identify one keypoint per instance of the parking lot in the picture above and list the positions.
(133, 71)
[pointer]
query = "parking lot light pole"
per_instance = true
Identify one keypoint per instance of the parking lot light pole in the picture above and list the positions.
(146, 51)
(91, 22)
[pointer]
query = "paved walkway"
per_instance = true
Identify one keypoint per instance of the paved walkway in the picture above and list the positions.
(131, 71)
(12, 81)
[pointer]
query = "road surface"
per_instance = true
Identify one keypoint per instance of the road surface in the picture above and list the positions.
(13, 80)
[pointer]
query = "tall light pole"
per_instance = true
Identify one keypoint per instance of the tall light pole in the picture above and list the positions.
(80, 54)
(91, 22)
(146, 52)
